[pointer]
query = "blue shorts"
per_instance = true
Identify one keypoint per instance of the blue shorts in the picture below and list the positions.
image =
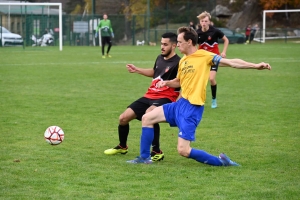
(185, 116)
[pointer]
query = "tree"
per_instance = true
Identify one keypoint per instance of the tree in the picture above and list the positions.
(79, 7)
(276, 4)
(279, 4)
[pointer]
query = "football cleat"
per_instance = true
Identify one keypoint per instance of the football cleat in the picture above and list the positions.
(157, 156)
(214, 103)
(116, 150)
(140, 160)
(226, 160)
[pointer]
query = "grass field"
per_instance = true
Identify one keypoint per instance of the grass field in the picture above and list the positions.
(256, 124)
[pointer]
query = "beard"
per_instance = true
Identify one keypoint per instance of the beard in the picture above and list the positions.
(166, 53)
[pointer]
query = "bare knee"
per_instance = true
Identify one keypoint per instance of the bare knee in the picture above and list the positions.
(126, 117)
(184, 151)
(146, 120)
(155, 116)
(212, 80)
(212, 77)
(123, 120)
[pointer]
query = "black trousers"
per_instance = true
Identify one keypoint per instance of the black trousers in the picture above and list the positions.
(106, 40)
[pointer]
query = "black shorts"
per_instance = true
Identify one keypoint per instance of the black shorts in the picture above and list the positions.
(106, 40)
(141, 105)
(214, 68)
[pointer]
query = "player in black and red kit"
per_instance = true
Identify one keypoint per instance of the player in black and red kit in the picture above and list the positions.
(208, 40)
(165, 68)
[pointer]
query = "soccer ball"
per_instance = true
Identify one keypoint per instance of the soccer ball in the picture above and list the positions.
(54, 135)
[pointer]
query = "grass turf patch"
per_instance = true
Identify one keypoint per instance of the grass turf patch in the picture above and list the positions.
(256, 124)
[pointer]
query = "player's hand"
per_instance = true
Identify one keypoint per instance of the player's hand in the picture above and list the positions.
(262, 65)
(131, 68)
(112, 35)
(161, 84)
(223, 55)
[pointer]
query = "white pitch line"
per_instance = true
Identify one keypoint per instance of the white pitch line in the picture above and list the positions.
(77, 63)
(270, 60)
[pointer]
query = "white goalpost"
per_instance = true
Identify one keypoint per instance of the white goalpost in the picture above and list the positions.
(43, 4)
(264, 20)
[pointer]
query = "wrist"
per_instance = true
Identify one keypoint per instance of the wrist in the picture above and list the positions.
(166, 83)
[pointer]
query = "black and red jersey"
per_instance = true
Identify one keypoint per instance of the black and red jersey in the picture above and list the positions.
(247, 31)
(164, 70)
(208, 40)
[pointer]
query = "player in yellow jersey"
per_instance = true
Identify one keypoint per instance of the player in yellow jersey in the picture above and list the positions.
(186, 113)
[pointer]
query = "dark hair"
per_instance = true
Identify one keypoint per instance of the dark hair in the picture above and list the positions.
(171, 36)
(189, 34)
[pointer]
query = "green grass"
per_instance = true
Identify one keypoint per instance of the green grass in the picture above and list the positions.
(256, 124)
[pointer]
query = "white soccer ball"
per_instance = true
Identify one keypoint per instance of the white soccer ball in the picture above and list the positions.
(54, 135)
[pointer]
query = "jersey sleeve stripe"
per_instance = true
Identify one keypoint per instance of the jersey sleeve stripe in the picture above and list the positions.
(216, 60)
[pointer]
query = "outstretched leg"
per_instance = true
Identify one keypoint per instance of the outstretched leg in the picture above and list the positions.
(185, 150)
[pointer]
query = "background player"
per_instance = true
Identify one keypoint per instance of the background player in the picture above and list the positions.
(208, 40)
(106, 34)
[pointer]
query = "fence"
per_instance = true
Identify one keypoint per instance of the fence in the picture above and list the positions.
(277, 34)
(79, 30)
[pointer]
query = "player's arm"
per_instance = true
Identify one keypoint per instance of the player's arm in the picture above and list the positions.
(99, 25)
(175, 83)
(146, 72)
(226, 43)
(241, 64)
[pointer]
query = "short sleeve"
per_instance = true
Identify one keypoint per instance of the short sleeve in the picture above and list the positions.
(220, 34)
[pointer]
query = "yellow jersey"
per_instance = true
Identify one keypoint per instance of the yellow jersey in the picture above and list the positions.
(193, 73)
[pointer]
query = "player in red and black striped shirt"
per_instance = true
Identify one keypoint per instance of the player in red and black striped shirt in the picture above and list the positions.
(165, 68)
(208, 40)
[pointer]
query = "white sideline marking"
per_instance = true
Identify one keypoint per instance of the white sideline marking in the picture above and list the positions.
(77, 63)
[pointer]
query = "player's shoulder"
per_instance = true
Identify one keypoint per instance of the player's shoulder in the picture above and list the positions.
(217, 30)
(177, 58)
(202, 51)
(174, 59)
(200, 32)
(160, 57)
(213, 29)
